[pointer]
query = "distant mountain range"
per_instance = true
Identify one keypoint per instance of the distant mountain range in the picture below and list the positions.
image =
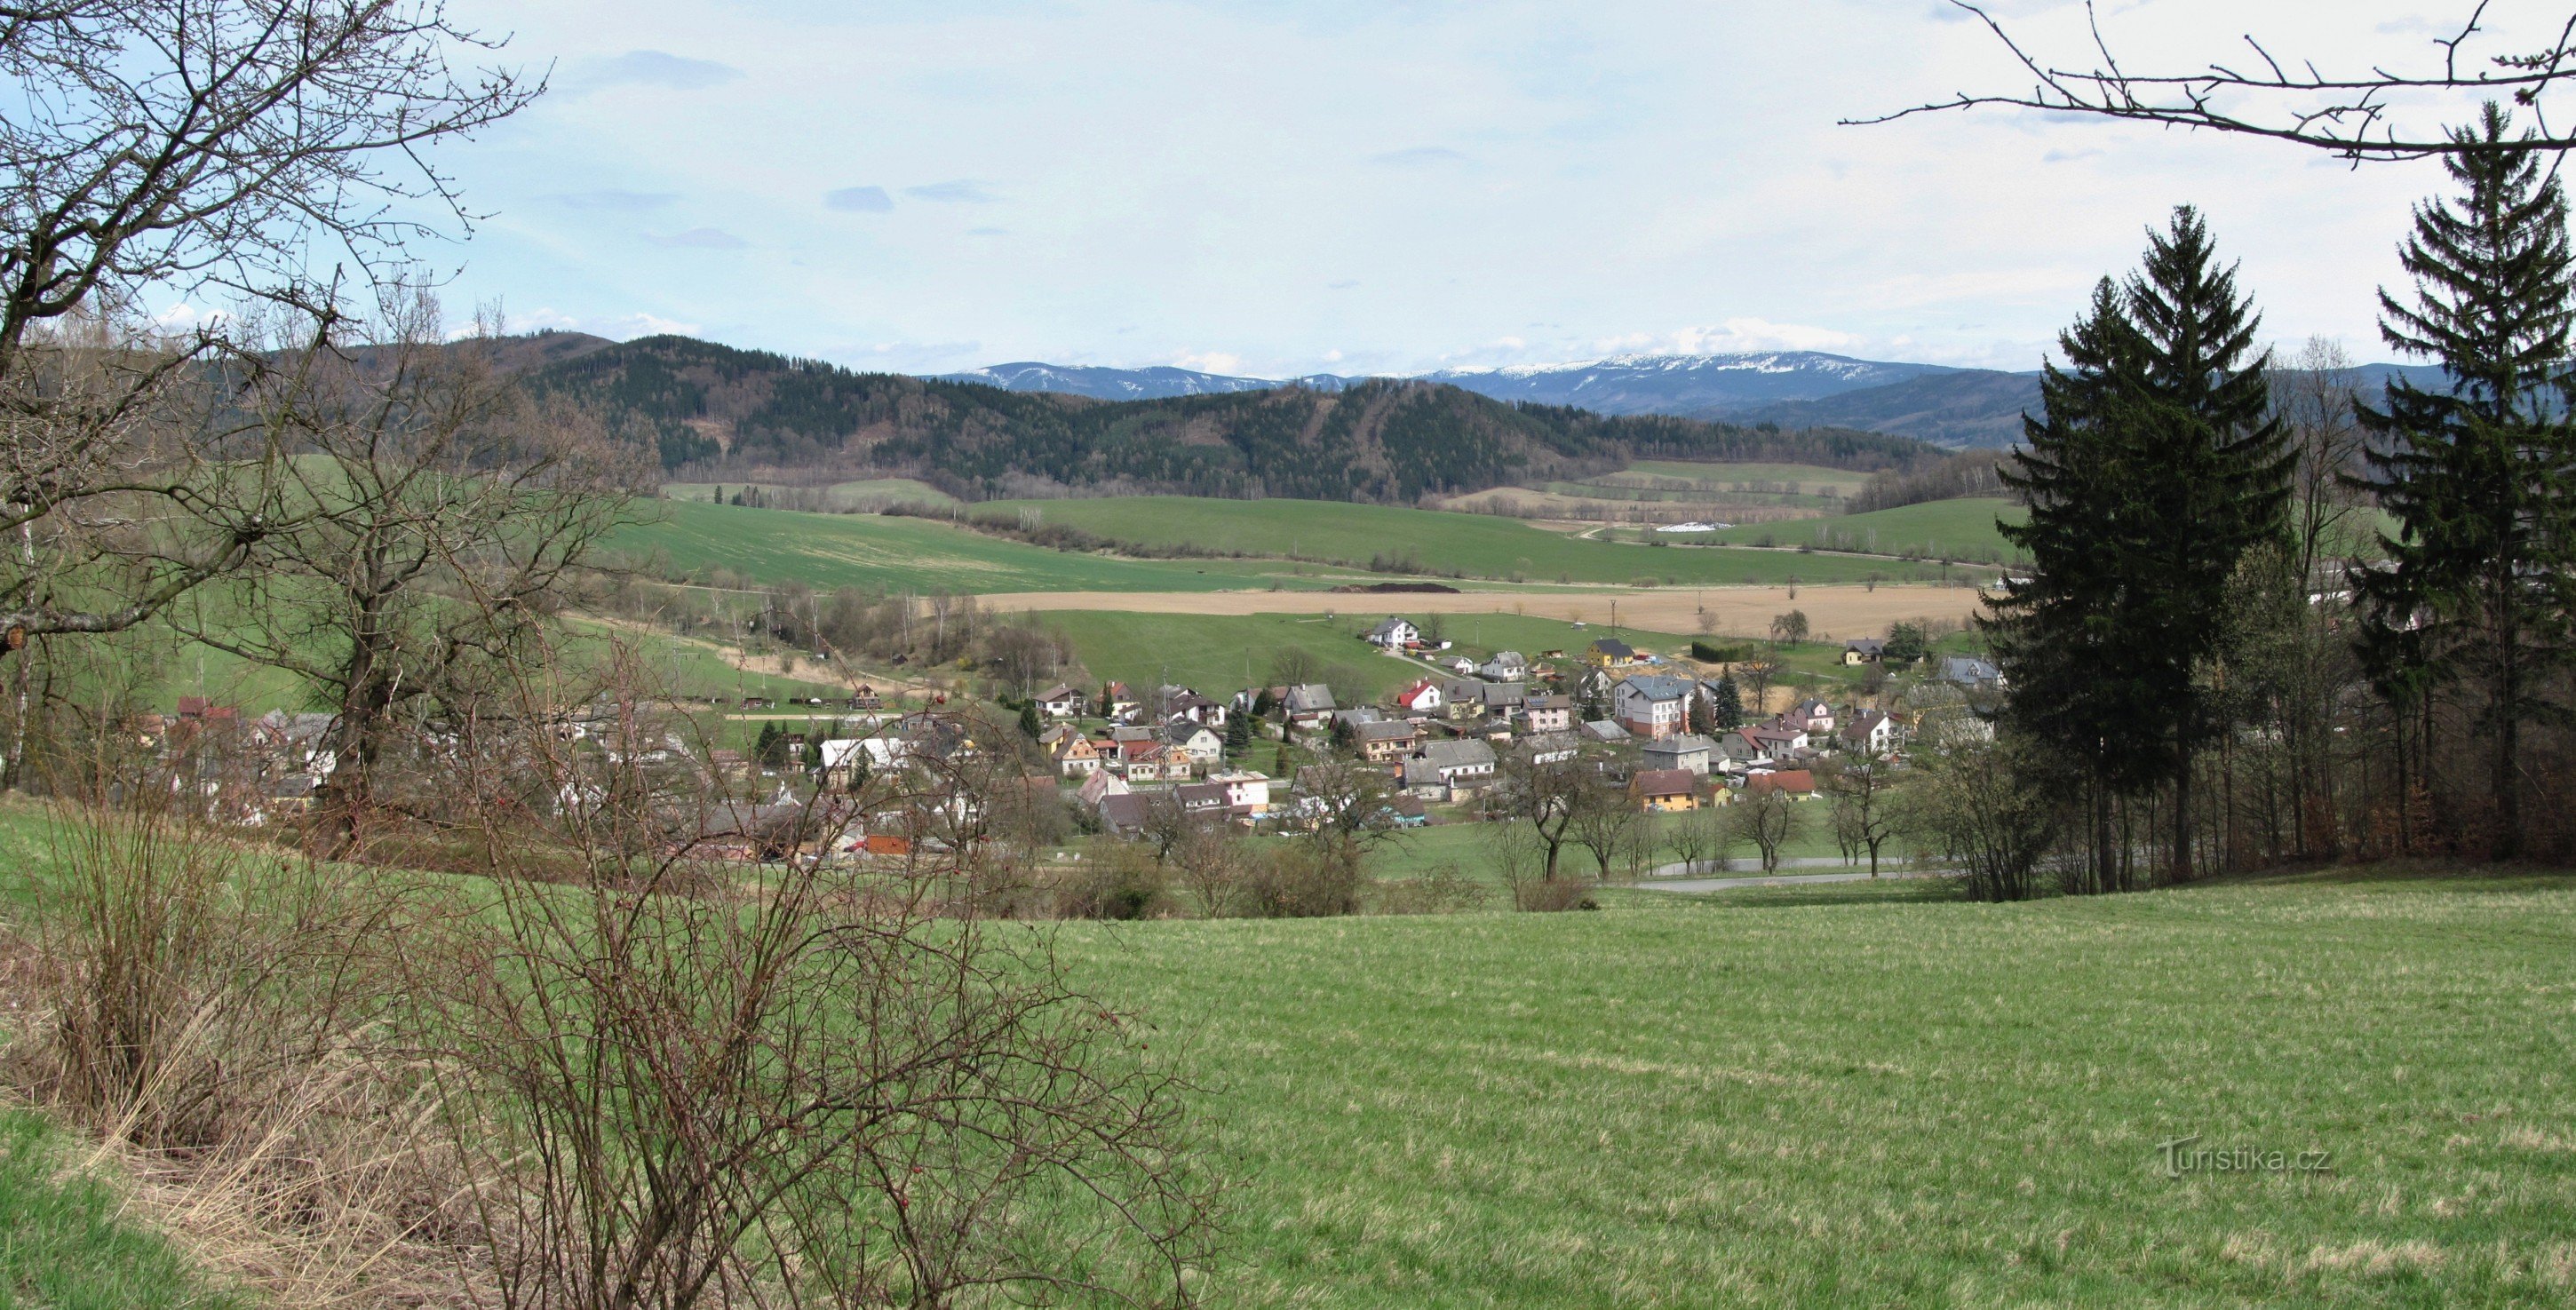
(1956, 407)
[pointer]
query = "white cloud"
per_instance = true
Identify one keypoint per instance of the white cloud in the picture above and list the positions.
(859, 200)
(1214, 361)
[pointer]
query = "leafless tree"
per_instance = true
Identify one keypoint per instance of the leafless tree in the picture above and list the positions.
(1694, 839)
(1768, 819)
(442, 516)
(188, 146)
(1863, 795)
(2380, 113)
(1551, 797)
(1609, 826)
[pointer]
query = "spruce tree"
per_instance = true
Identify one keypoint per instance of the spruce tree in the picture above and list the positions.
(1031, 725)
(1728, 710)
(2155, 467)
(2480, 478)
(1238, 734)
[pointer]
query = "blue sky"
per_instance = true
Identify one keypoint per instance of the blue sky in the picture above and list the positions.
(1393, 186)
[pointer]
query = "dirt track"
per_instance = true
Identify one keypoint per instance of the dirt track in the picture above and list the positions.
(1832, 612)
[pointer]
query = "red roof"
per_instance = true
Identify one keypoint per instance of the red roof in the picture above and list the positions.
(1788, 780)
(1666, 782)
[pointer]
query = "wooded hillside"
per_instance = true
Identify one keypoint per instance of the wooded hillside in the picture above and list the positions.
(722, 411)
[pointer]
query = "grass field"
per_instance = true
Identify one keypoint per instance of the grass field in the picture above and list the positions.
(1955, 529)
(63, 1246)
(910, 554)
(1468, 545)
(862, 492)
(1218, 653)
(1863, 1096)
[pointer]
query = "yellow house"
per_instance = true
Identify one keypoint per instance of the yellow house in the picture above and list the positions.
(1665, 790)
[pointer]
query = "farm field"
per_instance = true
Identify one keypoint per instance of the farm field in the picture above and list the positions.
(1218, 653)
(1833, 613)
(1861, 1095)
(911, 554)
(1956, 529)
(1437, 542)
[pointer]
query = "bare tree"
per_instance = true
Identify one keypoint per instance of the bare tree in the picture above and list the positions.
(1551, 797)
(1863, 794)
(1609, 826)
(189, 146)
(1694, 840)
(441, 518)
(2379, 113)
(1768, 819)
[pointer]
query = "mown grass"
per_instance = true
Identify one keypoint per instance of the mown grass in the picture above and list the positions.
(62, 1245)
(1863, 1096)
(1433, 541)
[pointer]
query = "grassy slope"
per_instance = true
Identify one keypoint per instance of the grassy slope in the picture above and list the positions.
(1472, 545)
(1218, 653)
(921, 555)
(1857, 1097)
(61, 1246)
(845, 493)
(1809, 477)
(1957, 528)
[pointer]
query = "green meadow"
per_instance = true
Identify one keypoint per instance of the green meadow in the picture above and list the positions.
(1218, 653)
(1432, 541)
(1868, 1095)
(862, 492)
(64, 1244)
(1952, 529)
(909, 554)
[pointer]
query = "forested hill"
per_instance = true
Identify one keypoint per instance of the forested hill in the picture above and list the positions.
(716, 408)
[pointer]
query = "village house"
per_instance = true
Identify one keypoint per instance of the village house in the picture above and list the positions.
(1652, 705)
(1394, 634)
(1247, 794)
(1864, 650)
(1124, 813)
(1503, 699)
(1761, 743)
(1554, 747)
(1117, 701)
(1687, 752)
(1505, 666)
(1972, 673)
(1200, 800)
(1796, 784)
(1815, 716)
(1353, 718)
(1075, 755)
(1548, 713)
(1198, 742)
(1384, 743)
(1101, 783)
(1605, 730)
(1142, 760)
(866, 698)
(1183, 703)
(1872, 733)
(1611, 653)
(1422, 698)
(1307, 705)
(1464, 765)
(1664, 790)
(1060, 702)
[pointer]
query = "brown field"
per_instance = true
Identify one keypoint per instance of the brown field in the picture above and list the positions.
(1832, 612)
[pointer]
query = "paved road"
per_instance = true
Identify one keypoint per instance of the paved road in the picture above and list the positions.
(1667, 878)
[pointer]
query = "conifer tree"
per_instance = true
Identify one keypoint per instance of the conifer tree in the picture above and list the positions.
(2155, 468)
(1238, 734)
(2481, 478)
(1727, 711)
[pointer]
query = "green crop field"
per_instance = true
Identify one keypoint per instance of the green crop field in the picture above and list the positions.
(910, 554)
(1218, 653)
(1438, 543)
(1864, 1096)
(1954, 529)
(1809, 477)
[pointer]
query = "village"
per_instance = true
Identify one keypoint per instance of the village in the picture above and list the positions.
(1652, 733)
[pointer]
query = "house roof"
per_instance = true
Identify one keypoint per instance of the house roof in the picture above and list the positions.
(1395, 731)
(1504, 693)
(1420, 772)
(1962, 668)
(1124, 810)
(1508, 657)
(1548, 701)
(1614, 648)
(1414, 692)
(1356, 717)
(1387, 627)
(1664, 782)
(1058, 692)
(1201, 795)
(1658, 686)
(1788, 780)
(1866, 645)
(1469, 753)
(1310, 697)
(1767, 733)
(1605, 730)
(1861, 727)
(1685, 744)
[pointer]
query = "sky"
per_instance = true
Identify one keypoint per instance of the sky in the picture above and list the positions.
(1277, 187)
